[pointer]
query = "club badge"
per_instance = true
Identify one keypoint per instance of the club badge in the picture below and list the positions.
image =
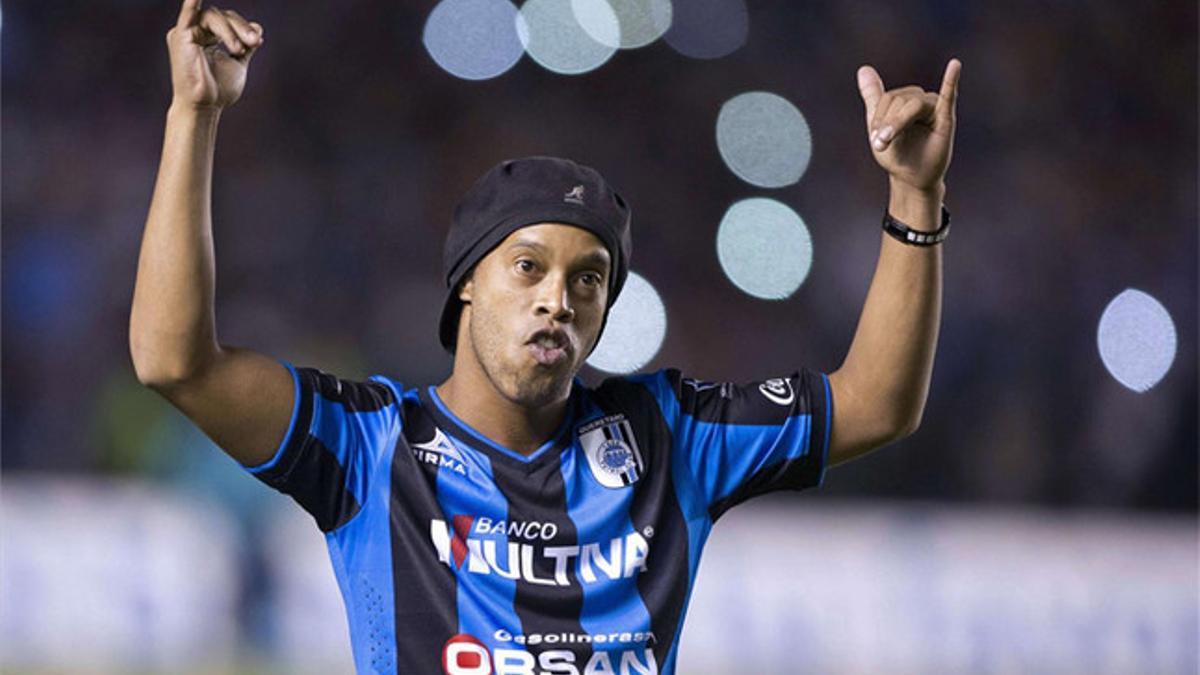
(612, 451)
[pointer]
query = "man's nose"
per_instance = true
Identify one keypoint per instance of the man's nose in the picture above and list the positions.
(554, 300)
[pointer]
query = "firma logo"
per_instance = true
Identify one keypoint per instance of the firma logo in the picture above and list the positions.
(440, 451)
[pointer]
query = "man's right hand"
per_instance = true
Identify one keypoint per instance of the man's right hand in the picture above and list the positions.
(243, 400)
(202, 73)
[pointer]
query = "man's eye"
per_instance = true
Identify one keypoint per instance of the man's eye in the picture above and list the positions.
(526, 265)
(591, 279)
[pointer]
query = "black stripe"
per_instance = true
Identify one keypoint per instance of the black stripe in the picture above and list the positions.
(797, 474)
(309, 471)
(353, 396)
(540, 495)
(425, 589)
(664, 585)
(608, 432)
(638, 462)
(732, 403)
(318, 483)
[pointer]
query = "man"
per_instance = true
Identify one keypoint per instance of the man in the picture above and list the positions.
(512, 520)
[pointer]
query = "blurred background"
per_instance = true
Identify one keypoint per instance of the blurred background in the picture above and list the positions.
(1043, 518)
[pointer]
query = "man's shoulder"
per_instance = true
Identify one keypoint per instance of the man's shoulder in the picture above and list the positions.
(635, 389)
(399, 389)
(667, 376)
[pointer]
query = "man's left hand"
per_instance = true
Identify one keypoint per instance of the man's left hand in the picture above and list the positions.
(911, 131)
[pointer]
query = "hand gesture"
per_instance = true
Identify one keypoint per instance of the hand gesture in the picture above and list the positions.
(911, 130)
(210, 50)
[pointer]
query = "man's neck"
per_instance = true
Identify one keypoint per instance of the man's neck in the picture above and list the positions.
(506, 423)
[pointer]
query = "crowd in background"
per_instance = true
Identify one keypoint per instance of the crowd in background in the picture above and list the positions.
(1074, 177)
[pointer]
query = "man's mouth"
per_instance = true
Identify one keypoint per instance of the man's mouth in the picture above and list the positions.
(549, 347)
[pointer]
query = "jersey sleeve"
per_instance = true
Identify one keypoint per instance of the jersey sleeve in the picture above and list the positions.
(744, 440)
(338, 430)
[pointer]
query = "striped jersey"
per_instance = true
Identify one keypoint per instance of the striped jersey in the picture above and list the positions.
(457, 555)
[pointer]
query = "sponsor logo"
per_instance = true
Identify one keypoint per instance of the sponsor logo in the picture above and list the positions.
(466, 655)
(575, 196)
(440, 451)
(486, 546)
(778, 390)
(534, 639)
(517, 529)
(612, 451)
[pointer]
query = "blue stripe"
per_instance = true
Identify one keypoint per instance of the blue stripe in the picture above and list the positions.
(828, 429)
(364, 545)
(484, 601)
(600, 515)
(291, 423)
(722, 456)
(353, 437)
(735, 452)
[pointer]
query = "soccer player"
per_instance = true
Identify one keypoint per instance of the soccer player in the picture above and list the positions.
(511, 519)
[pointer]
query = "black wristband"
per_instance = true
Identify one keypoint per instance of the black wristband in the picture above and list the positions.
(907, 235)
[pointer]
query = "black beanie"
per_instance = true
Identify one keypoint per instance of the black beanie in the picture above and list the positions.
(520, 192)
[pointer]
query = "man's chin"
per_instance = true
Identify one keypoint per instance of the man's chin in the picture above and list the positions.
(542, 385)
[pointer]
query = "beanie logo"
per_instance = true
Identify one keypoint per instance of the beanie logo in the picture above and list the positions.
(575, 196)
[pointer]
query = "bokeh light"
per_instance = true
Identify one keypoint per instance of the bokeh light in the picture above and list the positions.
(640, 22)
(708, 29)
(474, 39)
(1136, 339)
(764, 139)
(554, 37)
(637, 324)
(764, 248)
(598, 19)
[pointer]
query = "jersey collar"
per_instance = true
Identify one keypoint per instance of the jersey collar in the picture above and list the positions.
(461, 431)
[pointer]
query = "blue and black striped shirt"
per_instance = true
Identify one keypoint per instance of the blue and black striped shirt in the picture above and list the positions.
(457, 555)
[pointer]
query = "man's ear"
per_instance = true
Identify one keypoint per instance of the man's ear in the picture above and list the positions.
(466, 288)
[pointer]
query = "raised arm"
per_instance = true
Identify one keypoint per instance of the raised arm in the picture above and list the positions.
(241, 399)
(880, 389)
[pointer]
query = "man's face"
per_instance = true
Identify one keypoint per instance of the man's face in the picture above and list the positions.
(533, 308)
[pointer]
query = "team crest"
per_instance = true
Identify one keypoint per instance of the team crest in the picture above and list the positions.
(611, 451)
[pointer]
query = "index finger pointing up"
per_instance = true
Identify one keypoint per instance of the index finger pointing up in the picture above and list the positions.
(870, 85)
(948, 96)
(188, 14)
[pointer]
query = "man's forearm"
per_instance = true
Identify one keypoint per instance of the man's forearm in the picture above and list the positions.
(171, 327)
(890, 361)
